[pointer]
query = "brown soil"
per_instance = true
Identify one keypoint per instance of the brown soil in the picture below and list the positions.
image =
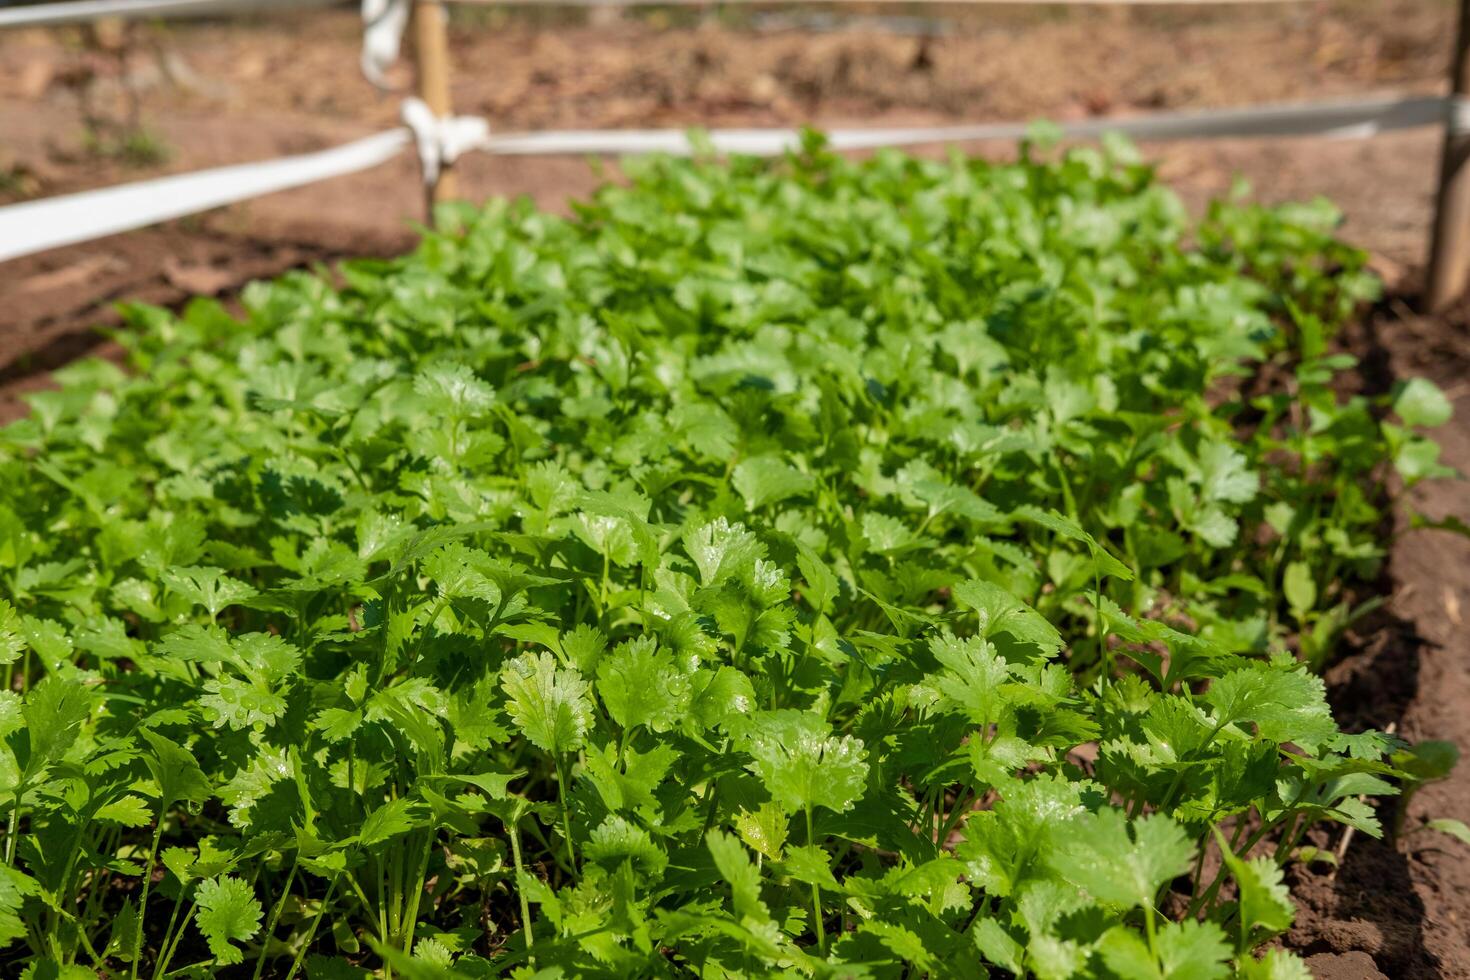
(224, 93)
(1408, 906)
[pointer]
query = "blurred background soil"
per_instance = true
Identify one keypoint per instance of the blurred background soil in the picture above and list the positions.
(229, 91)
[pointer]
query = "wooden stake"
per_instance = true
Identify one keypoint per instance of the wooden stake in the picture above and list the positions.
(431, 61)
(1449, 256)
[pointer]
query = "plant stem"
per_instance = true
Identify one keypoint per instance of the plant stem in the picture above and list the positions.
(270, 928)
(147, 885)
(515, 852)
(311, 932)
(816, 891)
(171, 939)
(416, 882)
(566, 814)
(10, 831)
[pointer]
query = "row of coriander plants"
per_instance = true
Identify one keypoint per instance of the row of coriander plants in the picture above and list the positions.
(882, 568)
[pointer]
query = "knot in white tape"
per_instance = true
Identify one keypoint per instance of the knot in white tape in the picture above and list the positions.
(442, 139)
(383, 23)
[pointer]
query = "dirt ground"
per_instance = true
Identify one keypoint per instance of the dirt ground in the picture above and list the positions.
(1403, 912)
(217, 93)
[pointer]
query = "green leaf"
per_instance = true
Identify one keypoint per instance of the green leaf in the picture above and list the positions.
(452, 390)
(973, 678)
(228, 913)
(721, 550)
(1001, 612)
(208, 587)
(763, 480)
(11, 642)
(129, 811)
(764, 830)
(1420, 403)
(54, 712)
(1455, 828)
(1102, 560)
(720, 696)
(740, 874)
(1284, 703)
(1224, 476)
(547, 703)
(1300, 590)
(176, 771)
(1264, 905)
(641, 686)
(1277, 964)
(392, 819)
(15, 887)
(801, 763)
(1121, 862)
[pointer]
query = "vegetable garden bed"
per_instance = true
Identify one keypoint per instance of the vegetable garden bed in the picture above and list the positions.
(827, 568)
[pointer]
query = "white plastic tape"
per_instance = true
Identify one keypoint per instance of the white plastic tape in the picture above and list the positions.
(1342, 119)
(78, 11)
(441, 141)
(54, 221)
(383, 23)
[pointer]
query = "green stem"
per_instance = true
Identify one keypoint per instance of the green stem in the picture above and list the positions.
(515, 851)
(270, 928)
(147, 885)
(816, 891)
(1149, 924)
(383, 933)
(311, 932)
(171, 939)
(963, 801)
(411, 917)
(11, 829)
(395, 894)
(709, 811)
(602, 592)
(566, 813)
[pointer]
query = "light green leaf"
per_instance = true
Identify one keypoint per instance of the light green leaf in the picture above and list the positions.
(1455, 828)
(1121, 862)
(129, 811)
(763, 480)
(641, 686)
(548, 703)
(1265, 905)
(176, 771)
(208, 587)
(228, 913)
(801, 763)
(1420, 403)
(1300, 590)
(739, 872)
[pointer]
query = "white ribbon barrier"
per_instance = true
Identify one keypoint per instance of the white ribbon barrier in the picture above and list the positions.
(1343, 119)
(79, 11)
(75, 11)
(54, 221)
(51, 222)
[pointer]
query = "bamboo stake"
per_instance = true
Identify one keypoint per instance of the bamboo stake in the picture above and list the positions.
(431, 62)
(1449, 256)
